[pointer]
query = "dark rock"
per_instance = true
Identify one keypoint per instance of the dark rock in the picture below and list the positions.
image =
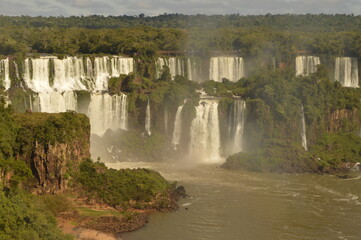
(181, 192)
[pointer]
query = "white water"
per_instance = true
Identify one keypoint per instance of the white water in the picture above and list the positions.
(236, 121)
(177, 126)
(205, 137)
(231, 68)
(55, 102)
(346, 71)
(148, 120)
(305, 65)
(36, 74)
(5, 73)
(55, 81)
(107, 112)
(303, 130)
(73, 73)
(176, 66)
(68, 74)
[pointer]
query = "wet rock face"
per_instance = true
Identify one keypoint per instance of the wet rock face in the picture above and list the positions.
(52, 165)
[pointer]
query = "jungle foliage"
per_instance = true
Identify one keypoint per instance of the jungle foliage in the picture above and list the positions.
(281, 36)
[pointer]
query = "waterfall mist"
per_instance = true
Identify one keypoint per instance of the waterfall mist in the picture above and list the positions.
(205, 138)
(236, 122)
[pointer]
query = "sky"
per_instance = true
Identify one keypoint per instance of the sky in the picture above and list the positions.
(157, 7)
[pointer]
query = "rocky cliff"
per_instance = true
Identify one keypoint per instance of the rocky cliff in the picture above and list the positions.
(53, 145)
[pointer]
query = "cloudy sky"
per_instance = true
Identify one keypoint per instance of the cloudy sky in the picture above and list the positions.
(156, 7)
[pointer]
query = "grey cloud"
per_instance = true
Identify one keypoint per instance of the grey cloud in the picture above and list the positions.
(155, 7)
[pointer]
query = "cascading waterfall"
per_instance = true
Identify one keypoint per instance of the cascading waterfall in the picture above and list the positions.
(68, 74)
(236, 121)
(101, 72)
(197, 69)
(5, 73)
(346, 71)
(205, 136)
(107, 112)
(177, 127)
(147, 120)
(55, 102)
(231, 68)
(56, 80)
(303, 129)
(37, 73)
(176, 66)
(305, 65)
(121, 65)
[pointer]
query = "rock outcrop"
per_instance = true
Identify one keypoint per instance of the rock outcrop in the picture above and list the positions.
(53, 145)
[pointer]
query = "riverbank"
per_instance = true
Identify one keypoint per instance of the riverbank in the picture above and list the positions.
(86, 220)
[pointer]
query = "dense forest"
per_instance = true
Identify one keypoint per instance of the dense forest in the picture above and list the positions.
(248, 36)
(292, 22)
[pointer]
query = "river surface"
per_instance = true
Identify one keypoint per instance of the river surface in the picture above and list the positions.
(237, 205)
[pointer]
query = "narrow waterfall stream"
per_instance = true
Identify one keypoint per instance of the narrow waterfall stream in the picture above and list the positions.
(236, 121)
(147, 126)
(303, 130)
(177, 127)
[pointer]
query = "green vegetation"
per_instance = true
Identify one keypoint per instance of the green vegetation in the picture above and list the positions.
(306, 22)
(274, 100)
(279, 36)
(47, 128)
(143, 187)
(23, 216)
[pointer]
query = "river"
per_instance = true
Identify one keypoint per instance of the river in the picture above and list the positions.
(238, 205)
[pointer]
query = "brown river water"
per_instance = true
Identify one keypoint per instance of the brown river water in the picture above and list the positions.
(238, 205)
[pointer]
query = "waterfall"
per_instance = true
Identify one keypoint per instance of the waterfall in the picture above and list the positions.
(196, 69)
(36, 74)
(89, 69)
(56, 80)
(205, 137)
(68, 74)
(236, 121)
(107, 112)
(101, 73)
(177, 126)
(346, 71)
(176, 66)
(303, 130)
(231, 68)
(305, 65)
(5, 73)
(55, 102)
(147, 120)
(121, 65)
(166, 116)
